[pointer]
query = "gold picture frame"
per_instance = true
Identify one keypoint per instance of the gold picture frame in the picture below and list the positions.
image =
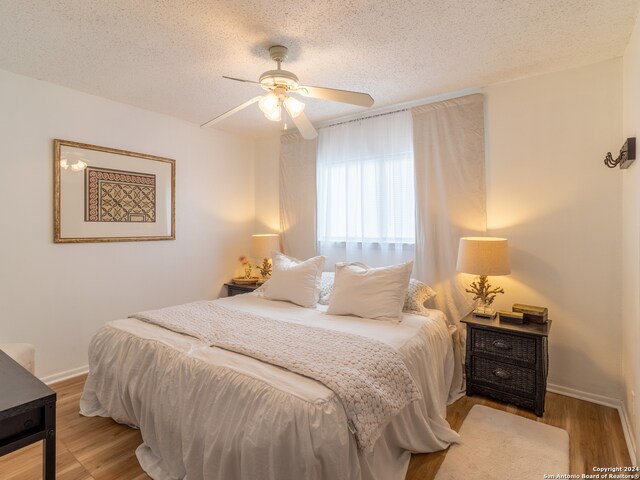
(103, 194)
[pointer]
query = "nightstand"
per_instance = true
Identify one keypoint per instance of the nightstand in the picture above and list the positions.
(237, 289)
(508, 362)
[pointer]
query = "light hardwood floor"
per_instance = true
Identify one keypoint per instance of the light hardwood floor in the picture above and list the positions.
(100, 449)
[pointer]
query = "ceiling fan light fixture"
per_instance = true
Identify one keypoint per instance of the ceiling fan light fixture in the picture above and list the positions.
(293, 106)
(269, 103)
(279, 84)
(274, 115)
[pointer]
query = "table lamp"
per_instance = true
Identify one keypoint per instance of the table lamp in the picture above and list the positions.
(262, 245)
(483, 256)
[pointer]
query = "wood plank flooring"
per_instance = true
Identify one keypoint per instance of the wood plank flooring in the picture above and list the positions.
(595, 433)
(100, 449)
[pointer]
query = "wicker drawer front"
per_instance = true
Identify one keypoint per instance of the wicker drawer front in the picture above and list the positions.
(520, 400)
(509, 346)
(501, 374)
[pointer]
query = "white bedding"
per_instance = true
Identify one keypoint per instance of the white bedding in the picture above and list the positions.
(207, 413)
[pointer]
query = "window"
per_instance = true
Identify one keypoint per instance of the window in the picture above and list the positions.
(365, 186)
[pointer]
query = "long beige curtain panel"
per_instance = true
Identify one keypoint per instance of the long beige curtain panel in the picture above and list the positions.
(448, 146)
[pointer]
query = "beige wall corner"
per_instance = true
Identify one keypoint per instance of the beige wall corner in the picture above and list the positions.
(631, 239)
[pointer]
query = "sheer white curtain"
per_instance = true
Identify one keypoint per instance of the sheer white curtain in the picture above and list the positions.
(365, 190)
(451, 202)
(298, 195)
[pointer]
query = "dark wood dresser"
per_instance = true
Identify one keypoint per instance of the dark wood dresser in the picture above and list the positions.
(508, 362)
(27, 413)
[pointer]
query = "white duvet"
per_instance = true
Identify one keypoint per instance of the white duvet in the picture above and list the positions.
(208, 413)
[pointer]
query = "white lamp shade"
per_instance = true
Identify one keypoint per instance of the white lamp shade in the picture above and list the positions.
(262, 245)
(483, 256)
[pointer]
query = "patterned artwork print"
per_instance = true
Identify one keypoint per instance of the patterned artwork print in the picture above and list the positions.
(119, 196)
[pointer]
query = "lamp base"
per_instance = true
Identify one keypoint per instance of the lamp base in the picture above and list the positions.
(484, 312)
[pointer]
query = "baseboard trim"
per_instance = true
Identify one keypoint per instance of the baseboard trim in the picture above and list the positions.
(607, 402)
(626, 428)
(66, 375)
(581, 395)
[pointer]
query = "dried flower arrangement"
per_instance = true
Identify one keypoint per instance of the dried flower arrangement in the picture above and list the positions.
(246, 264)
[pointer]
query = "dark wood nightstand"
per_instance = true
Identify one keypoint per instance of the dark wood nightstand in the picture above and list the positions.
(27, 413)
(237, 289)
(508, 362)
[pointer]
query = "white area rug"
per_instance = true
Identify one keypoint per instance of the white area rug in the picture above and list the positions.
(496, 445)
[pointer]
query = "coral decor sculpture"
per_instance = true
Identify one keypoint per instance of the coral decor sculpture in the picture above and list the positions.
(482, 291)
(265, 269)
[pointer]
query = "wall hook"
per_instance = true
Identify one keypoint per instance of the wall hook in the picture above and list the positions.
(626, 157)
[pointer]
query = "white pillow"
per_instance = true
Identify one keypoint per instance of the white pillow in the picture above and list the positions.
(417, 294)
(295, 281)
(377, 293)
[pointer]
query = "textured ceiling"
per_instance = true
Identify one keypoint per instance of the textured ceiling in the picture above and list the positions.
(168, 56)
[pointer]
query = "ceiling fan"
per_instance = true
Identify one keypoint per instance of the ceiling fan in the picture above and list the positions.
(279, 84)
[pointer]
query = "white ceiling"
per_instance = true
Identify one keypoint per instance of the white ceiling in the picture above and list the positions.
(168, 56)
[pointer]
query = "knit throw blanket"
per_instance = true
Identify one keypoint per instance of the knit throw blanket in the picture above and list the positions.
(369, 377)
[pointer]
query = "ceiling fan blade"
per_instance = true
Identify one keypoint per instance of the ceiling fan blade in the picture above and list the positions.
(240, 80)
(231, 112)
(303, 125)
(344, 96)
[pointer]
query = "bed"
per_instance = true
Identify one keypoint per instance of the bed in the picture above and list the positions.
(209, 413)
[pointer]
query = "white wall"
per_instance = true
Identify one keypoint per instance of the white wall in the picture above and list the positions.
(631, 238)
(267, 188)
(57, 295)
(550, 194)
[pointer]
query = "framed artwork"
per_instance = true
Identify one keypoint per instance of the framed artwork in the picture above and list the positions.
(106, 195)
